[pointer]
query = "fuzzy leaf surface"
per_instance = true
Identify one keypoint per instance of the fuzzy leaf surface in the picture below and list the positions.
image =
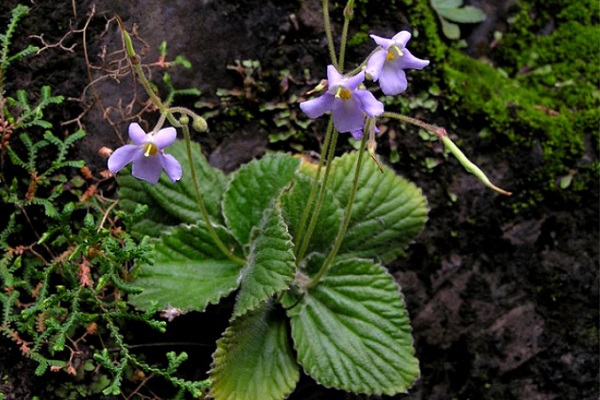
(174, 203)
(252, 190)
(351, 331)
(189, 271)
(254, 359)
(388, 210)
(271, 263)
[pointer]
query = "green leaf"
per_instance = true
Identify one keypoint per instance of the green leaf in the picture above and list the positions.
(189, 271)
(252, 190)
(437, 4)
(271, 263)
(328, 222)
(174, 203)
(465, 15)
(352, 332)
(132, 192)
(254, 359)
(451, 30)
(388, 210)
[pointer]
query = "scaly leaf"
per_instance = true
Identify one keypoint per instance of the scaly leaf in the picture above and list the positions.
(254, 359)
(351, 331)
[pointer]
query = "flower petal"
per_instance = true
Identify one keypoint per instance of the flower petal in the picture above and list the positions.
(368, 103)
(401, 38)
(316, 107)
(171, 166)
(410, 61)
(123, 156)
(164, 138)
(334, 78)
(357, 133)
(392, 80)
(137, 134)
(353, 81)
(347, 114)
(375, 64)
(383, 42)
(147, 168)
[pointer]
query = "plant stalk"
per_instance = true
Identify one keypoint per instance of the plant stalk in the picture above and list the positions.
(347, 215)
(200, 200)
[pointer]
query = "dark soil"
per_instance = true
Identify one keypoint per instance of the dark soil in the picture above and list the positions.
(504, 304)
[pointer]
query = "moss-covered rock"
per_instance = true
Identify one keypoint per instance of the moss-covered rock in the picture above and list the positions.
(539, 92)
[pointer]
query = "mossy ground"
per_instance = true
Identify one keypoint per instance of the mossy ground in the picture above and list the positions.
(537, 90)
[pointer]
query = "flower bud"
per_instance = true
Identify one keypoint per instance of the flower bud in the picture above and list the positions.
(200, 124)
(184, 120)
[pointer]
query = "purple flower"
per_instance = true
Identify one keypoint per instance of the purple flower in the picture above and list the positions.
(347, 103)
(388, 63)
(147, 155)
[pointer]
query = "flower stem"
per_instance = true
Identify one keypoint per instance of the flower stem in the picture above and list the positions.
(348, 12)
(323, 190)
(347, 215)
(203, 211)
(442, 135)
(313, 189)
(328, 33)
(167, 112)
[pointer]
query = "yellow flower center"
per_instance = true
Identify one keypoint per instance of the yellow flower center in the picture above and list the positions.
(151, 149)
(343, 93)
(392, 53)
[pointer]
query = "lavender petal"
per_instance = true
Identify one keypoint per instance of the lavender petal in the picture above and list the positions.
(401, 38)
(164, 138)
(316, 107)
(123, 156)
(347, 115)
(410, 61)
(171, 166)
(147, 168)
(383, 42)
(392, 80)
(369, 104)
(353, 81)
(375, 63)
(137, 134)
(333, 76)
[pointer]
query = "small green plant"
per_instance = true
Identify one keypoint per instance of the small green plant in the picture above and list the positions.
(451, 13)
(64, 261)
(302, 244)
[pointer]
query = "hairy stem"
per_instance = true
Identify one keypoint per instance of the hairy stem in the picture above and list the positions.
(329, 35)
(348, 213)
(200, 200)
(323, 190)
(313, 189)
(452, 148)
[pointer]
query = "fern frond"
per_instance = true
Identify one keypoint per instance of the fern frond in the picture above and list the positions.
(15, 15)
(15, 159)
(6, 232)
(49, 208)
(23, 53)
(80, 134)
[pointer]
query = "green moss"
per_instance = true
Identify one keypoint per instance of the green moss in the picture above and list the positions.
(541, 95)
